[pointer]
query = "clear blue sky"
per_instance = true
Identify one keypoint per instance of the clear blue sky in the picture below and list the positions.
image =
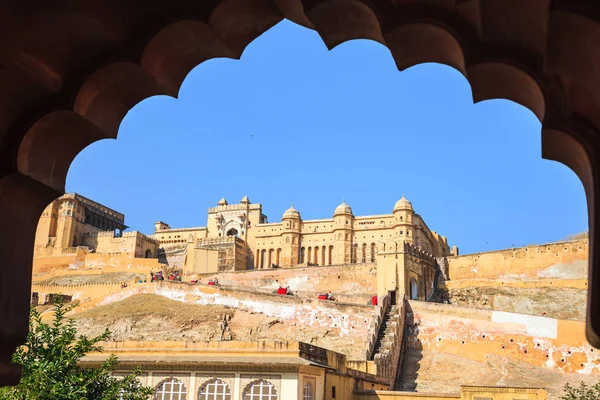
(294, 122)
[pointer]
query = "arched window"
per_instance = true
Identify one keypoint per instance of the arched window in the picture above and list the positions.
(323, 250)
(232, 232)
(263, 253)
(301, 256)
(309, 254)
(373, 251)
(330, 255)
(364, 253)
(414, 289)
(353, 253)
(316, 261)
(307, 392)
(214, 389)
(171, 389)
(260, 390)
(278, 257)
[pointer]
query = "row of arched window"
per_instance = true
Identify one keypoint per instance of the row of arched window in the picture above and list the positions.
(217, 389)
(266, 258)
(320, 255)
(366, 253)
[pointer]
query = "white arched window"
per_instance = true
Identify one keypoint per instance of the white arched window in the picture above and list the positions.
(171, 389)
(260, 390)
(307, 392)
(214, 390)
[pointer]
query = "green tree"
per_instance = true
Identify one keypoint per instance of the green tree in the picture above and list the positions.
(50, 365)
(583, 392)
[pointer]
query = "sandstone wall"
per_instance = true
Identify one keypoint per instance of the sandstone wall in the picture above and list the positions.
(78, 292)
(452, 345)
(561, 299)
(466, 393)
(88, 263)
(546, 280)
(355, 278)
(562, 260)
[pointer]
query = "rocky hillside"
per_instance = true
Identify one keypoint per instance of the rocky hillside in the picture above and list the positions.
(153, 317)
(560, 303)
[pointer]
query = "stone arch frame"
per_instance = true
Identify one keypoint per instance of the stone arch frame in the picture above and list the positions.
(548, 61)
(168, 379)
(214, 380)
(256, 381)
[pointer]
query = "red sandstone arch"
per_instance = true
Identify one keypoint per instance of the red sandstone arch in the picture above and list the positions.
(69, 71)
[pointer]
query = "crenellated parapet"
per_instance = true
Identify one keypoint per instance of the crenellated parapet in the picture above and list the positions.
(419, 253)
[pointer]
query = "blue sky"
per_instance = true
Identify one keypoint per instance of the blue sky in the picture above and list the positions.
(294, 122)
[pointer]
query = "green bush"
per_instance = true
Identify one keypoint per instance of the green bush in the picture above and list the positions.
(51, 370)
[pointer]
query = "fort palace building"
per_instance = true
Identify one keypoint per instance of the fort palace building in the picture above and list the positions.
(239, 237)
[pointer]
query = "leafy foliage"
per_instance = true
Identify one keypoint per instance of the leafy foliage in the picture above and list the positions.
(583, 392)
(50, 365)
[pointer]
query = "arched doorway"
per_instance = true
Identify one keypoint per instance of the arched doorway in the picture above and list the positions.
(232, 232)
(148, 254)
(28, 182)
(414, 289)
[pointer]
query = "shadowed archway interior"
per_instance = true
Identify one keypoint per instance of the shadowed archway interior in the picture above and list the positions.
(70, 71)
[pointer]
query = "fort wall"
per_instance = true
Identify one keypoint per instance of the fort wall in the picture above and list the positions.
(351, 278)
(88, 263)
(562, 260)
(466, 393)
(474, 334)
(78, 292)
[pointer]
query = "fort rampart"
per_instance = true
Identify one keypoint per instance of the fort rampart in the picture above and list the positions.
(78, 292)
(349, 278)
(472, 333)
(562, 260)
(90, 263)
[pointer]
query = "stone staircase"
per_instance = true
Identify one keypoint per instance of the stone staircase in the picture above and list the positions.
(387, 330)
(389, 344)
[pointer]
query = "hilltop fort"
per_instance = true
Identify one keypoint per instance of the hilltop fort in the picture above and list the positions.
(350, 307)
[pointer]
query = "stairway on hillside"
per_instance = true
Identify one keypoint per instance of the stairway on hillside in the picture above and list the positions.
(387, 332)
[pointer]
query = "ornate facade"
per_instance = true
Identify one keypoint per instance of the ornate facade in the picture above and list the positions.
(73, 222)
(239, 237)
(342, 239)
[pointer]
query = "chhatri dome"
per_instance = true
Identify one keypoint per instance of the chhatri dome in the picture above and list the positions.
(245, 200)
(403, 204)
(291, 213)
(343, 209)
(222, 202)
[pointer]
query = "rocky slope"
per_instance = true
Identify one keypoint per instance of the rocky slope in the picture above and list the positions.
(560, 303)
(152, 317)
